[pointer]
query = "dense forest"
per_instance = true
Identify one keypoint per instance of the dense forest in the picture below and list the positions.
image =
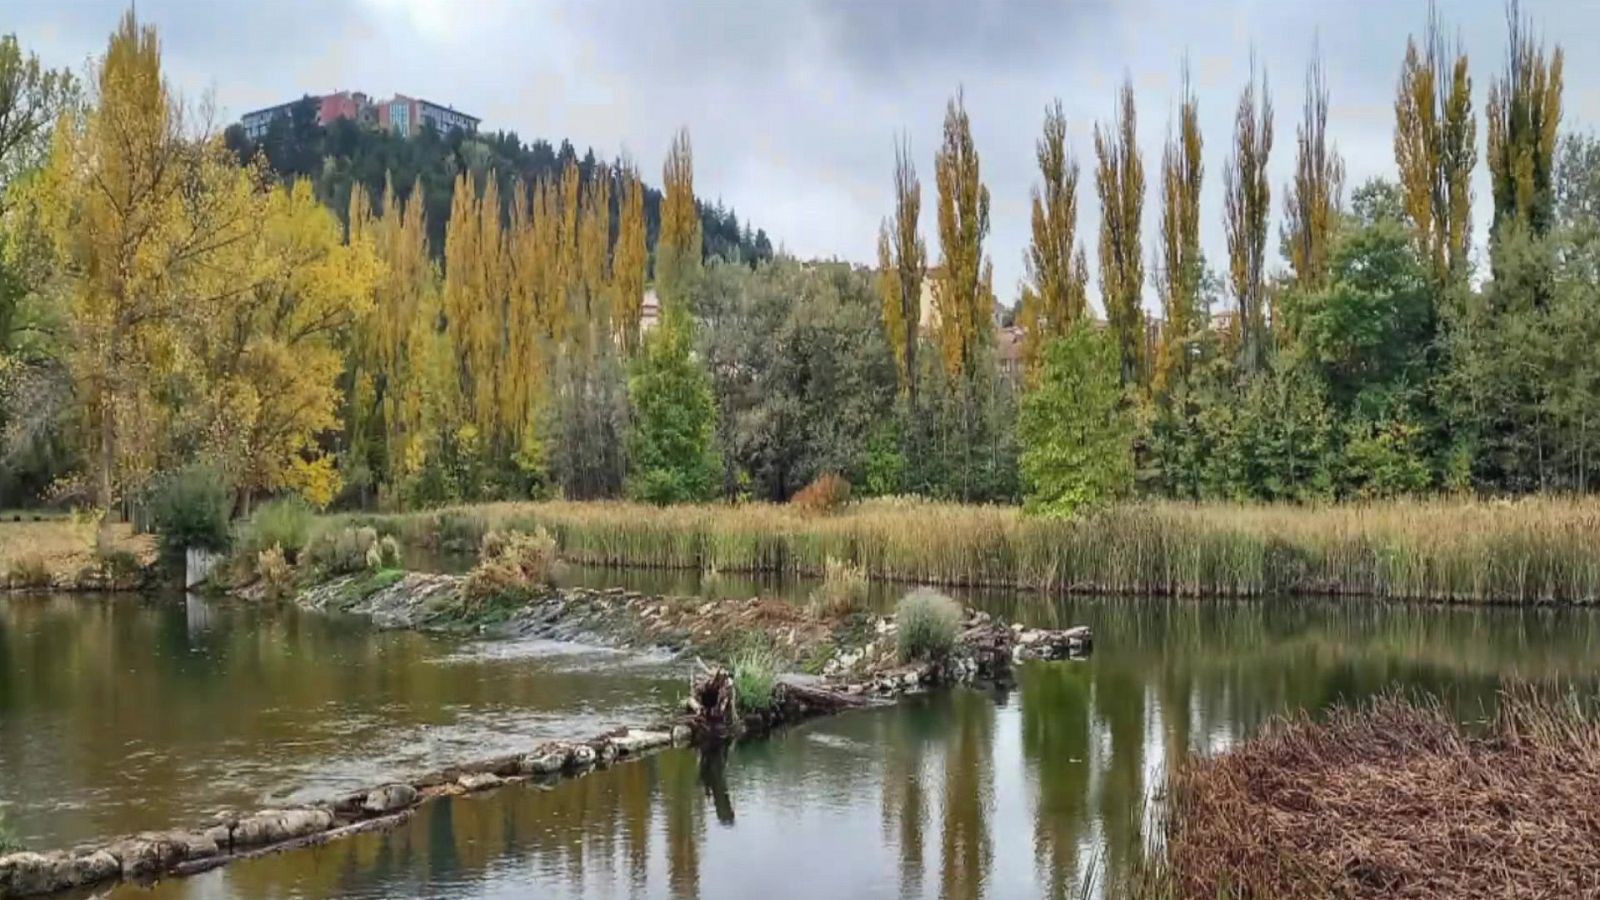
(368, 321)
(343, 154)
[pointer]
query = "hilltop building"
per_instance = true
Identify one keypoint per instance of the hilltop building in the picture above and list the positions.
(402, 114)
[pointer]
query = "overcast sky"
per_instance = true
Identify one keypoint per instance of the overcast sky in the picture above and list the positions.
(793, 106)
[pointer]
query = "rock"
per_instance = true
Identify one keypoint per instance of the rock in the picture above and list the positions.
(636, 741)
(25, 874)
(154, 852)
(682, 734)
(273, 826)
(582, 757)
(389, 798)
(606, 753)
(480, 781)
(544, 762)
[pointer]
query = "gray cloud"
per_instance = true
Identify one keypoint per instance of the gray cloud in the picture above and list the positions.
(793, 105)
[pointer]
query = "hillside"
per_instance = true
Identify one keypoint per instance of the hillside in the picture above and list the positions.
(343, 153)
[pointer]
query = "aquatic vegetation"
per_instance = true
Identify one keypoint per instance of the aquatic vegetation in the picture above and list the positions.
(511, 564)
(352, 549)
(843, 589)
(276, 573)
(1528, 551)
(755, 678)
(1388, 798)
(286, 523)
(927, 623)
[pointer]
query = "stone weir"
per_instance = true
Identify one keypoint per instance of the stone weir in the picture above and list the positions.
(849, 661)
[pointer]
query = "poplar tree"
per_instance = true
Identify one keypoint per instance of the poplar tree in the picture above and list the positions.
(902, 258)
(630, 260)
(1119, 181)
(1311, 202)
(963, 294)
(1182, 173)
(1055, 297)
(404, 321)
(678, 246)
(149, 223)
(1523, 115)
(1435, 149)
(1248, 204)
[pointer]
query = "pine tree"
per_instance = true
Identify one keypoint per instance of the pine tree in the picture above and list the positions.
(902, 257)
(1248, 206)
(1435, 149)
(1311, 204)
(1119, 181)
(1182, 172)
(963, 294)
(1055, 297)
(1523, 115)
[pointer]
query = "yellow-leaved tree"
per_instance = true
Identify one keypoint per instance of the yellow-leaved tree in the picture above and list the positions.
(902, 256)
(1247, 205)
(630, 259)
(1435, 148)
(152, 226)
(678, 247)
(1181, 266)
(274, 352)
(1119, 180)
(1055, 296)
(963, 293)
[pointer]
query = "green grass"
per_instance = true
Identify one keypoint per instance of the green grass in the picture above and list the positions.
(755, 678)
(1529, 551)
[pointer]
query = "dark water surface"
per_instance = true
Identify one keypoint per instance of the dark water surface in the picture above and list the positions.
(123, 714)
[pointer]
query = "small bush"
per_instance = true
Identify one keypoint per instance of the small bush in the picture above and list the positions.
(277, 575)
(512, 564)
(285, 523)
(927, 622)
(119, 566)
(825, 494)
(29, 571)
(755, 678)
(843, 589)
(190, 508)
(350, 550)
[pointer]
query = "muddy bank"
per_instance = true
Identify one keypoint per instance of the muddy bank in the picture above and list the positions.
(852, 661)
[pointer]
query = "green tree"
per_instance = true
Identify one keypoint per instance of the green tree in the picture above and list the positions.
(1076, 431)
(672, 455)
(1119, 181)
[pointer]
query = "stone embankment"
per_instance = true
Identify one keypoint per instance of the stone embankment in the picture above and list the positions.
(853, 659)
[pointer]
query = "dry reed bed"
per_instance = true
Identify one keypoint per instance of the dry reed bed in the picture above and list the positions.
(1392, 800)
(1531, 551)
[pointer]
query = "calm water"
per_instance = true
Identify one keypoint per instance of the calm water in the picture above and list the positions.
(119, 714)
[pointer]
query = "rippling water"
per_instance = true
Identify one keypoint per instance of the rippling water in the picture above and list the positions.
(123, 714)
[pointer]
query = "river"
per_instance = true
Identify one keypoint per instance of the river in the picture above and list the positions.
(123, 713)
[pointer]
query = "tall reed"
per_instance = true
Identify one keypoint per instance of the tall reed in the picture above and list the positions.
(1537, 550)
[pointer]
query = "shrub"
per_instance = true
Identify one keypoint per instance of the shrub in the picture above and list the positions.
(755, 678)
(119, 566)
(285, 523)
(29, 571)
(8, 838)
(843, 589)
(825, 494)
(190, 508)
(277, 575)
(351, 549)
(927, 622)
(512, 564)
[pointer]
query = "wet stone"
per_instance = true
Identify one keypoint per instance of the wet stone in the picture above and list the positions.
(389, 798)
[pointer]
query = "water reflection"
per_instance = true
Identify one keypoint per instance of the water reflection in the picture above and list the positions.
(963, 794)
(125, 713)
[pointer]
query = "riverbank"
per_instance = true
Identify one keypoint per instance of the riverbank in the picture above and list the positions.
(61, 552)
(861, 655)
(1531, 551)
(1391, 799)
